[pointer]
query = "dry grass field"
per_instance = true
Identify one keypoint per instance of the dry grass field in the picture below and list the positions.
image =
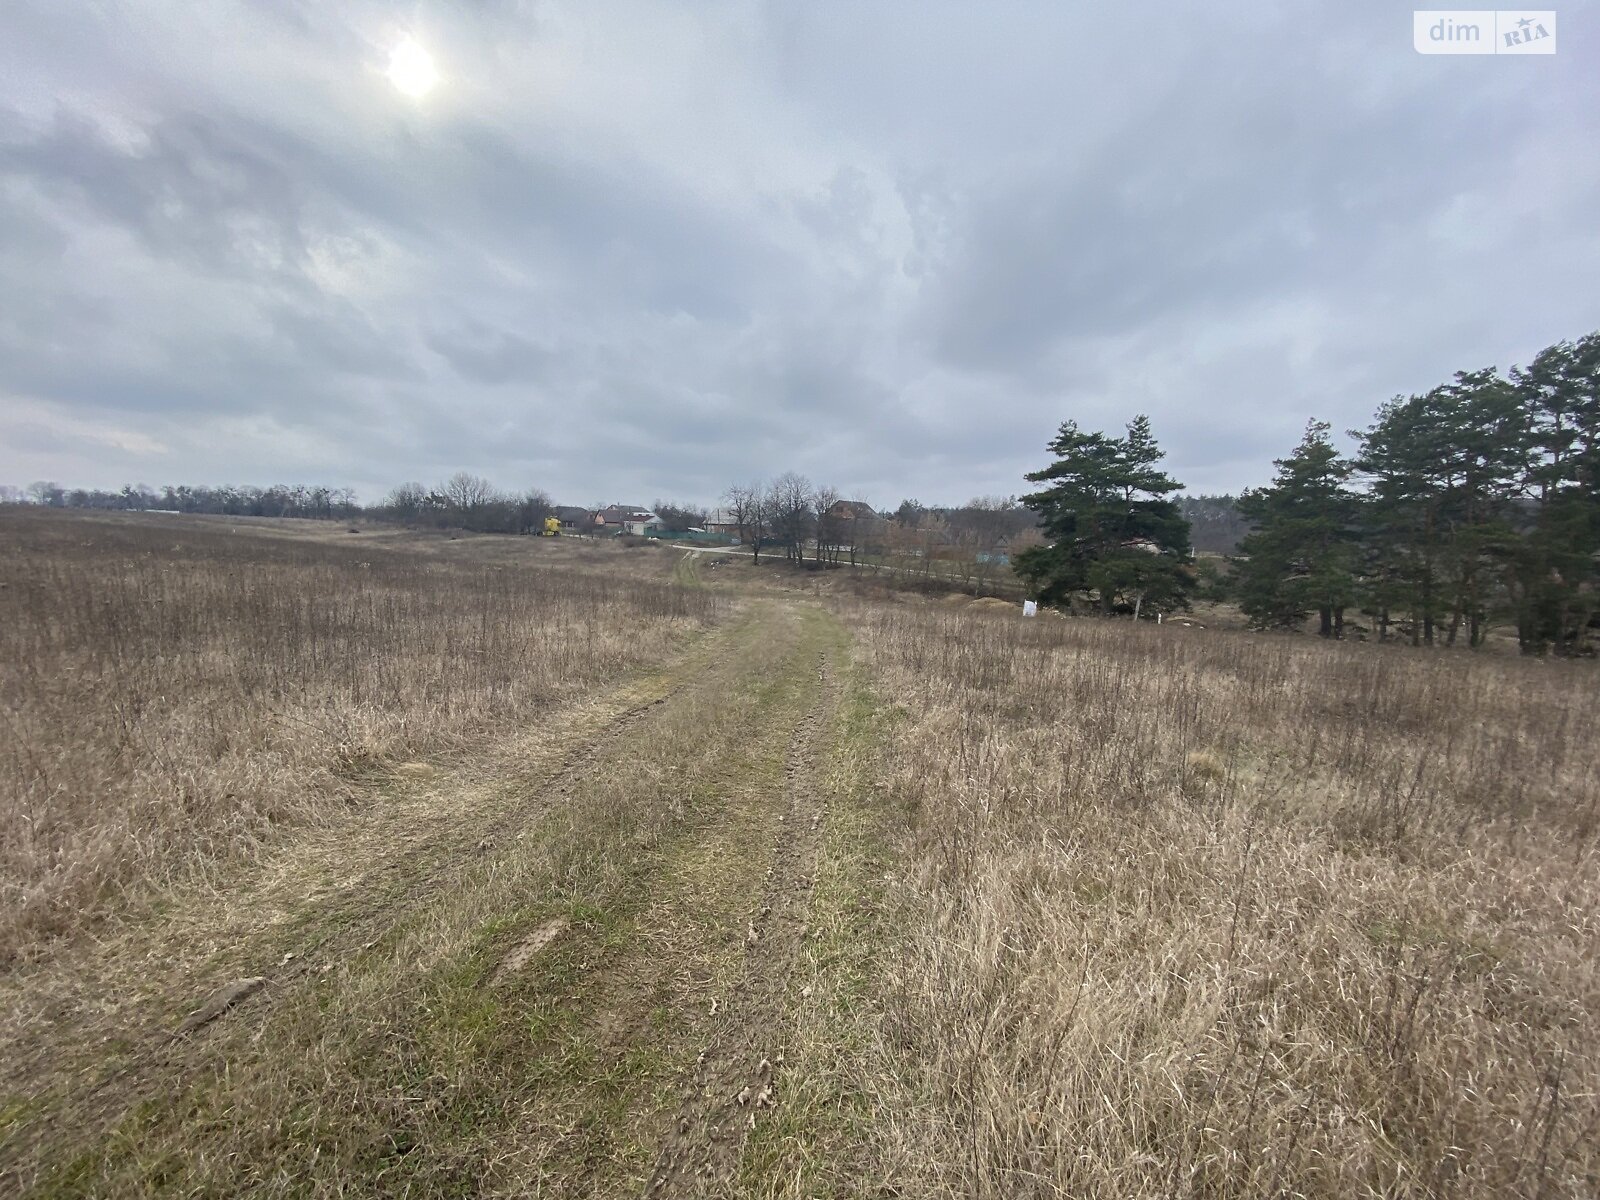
(176, 689)
(400, 865)
(1186, 914)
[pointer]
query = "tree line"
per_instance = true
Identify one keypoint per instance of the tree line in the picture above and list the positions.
(1475, 503)
(789, 515)
(466, 501)
(1216, 526)
(280, 500)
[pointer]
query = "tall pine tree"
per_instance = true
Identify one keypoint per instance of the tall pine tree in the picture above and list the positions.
(1484, 443)
(1301, 557)
(1554, 580)
(1115, 534)
(1444, 471)
(1403, 517)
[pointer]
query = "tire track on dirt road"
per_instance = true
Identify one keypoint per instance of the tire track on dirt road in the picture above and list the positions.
(374, 912)
(508, 999)
(414, 865)
(738, 1073)
(107, 1033)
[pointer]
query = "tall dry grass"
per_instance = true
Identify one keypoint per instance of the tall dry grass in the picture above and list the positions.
(173, 690)
(1200, 915)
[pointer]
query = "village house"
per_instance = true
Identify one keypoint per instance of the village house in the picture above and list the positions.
(722, 521)
(848, 525)
(851, 510)
(626, 518)
(574, 519)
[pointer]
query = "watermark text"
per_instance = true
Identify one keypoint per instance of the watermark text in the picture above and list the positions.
(1484, 31)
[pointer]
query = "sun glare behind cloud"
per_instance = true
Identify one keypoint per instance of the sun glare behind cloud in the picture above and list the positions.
(411, 69)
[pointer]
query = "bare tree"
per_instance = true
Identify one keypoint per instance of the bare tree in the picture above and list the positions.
(406, 502)
(745, 504)
(48, 492)
(823, 500)
(532, 508)
(789, 515)
(933, 535)
(979, 532)
(467, 493)
(472, 502)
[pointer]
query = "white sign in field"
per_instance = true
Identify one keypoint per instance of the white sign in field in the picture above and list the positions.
(1030, 608)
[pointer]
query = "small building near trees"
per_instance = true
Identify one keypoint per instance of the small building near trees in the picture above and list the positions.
(574, 519)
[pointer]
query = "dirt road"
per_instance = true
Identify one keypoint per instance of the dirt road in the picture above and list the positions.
(605, 957)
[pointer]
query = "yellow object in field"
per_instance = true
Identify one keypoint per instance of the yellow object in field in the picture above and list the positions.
(552, 527)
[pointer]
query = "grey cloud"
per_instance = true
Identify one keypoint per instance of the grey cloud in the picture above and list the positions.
(627, 250)
(190, 192)
(488, 355)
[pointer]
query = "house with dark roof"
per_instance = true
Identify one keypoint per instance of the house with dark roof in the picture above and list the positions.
(850, 510)
(573, 519)
(626, 518)
(848, 525)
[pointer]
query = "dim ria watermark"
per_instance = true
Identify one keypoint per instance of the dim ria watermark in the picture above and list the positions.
(1483, 31)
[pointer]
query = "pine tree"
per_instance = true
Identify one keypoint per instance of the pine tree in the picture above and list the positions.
(1403, 518)
(1484, 445)
(1554, 578)
(1301, 556)
(1115, 534)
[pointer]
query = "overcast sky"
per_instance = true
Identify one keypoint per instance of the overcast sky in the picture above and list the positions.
(634, 250)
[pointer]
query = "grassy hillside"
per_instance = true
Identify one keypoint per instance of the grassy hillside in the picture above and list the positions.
(396, 864)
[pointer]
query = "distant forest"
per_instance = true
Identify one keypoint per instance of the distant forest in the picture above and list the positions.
(1215, 524)
(279, 500)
